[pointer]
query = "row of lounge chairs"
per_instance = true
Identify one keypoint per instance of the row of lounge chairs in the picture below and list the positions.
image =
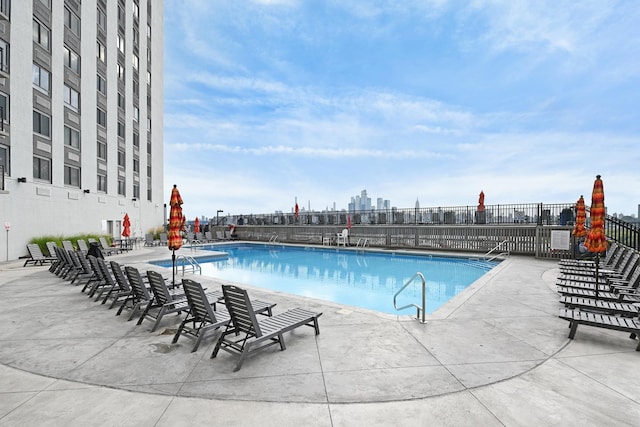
(246, 325)
(192, 238)
(37, 257)
(607, 299)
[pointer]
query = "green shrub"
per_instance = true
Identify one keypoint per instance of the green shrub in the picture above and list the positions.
(42, 241)
(155, 232)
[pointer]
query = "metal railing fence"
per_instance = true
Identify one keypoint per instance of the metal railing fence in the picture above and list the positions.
(525, 213)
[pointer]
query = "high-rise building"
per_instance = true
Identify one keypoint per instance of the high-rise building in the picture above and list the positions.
(81, 107)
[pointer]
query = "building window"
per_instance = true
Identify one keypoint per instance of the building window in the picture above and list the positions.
(46, 3)
(136, 140)
(102, 183)
(121, 130)
(4, 159)
(41, 78)
(121, 188)
(120, 100)
(121, 16)
(136, 37)
(5, 7)
(71, 21)
(102, 150)
(149, 78)
(136, 191)
(72, 60)
(102, 19)
(101, 51)
(136, 62)
(42, 169)
(41, 124)
(136, 113)
(136, 10)
(41, 34)
(71, 137)
(121, 158)
(120, 43)
(71, 97)
(136, 165)
(149, 124)
(72, 176)
(4, 56)
(4, 110)
(120, 71)
(148, 31)
(136, 87)
(102, 117)
(101, 84)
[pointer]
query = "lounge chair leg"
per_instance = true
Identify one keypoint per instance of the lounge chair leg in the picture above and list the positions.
(179, 331)
(281, 341)
(158, 319)
(197, 344)
(243, 355)
(574, 327)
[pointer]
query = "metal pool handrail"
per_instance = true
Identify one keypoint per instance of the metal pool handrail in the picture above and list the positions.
(419, 309)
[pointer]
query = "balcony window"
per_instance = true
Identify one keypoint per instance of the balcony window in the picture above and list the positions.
(42, 169)
(41, 78)
(71, 97)
(102, 183)
(41, 35)
(71, 21)
(102, 117)
(41, 124)
(72, 60)
(71, 137)
(72, 176)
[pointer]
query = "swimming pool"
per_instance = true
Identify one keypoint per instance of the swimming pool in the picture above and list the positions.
(362, 279)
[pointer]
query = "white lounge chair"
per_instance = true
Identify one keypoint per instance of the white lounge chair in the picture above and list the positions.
(342, 238)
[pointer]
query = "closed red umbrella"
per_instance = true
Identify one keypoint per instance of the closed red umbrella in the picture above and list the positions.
(126, 223)
(174, 237)
(579, 229)
(196, 225)
(596, 241)
(297, 210)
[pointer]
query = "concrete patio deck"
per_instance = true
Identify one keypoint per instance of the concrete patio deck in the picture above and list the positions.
(496, 355)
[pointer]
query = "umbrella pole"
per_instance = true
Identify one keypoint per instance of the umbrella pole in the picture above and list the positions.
(597, 273)
(173, 268)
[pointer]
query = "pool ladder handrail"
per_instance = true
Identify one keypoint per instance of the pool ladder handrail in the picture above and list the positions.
(273, 238)
(364, 241)
(193, 264)
(506, 253)
(421, 311)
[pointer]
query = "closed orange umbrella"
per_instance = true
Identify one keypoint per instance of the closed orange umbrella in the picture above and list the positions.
(126, 223)
(174, 237)
(581, 215)
(196, 225)
(596, 241)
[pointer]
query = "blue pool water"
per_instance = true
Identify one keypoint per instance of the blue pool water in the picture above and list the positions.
(367, 280)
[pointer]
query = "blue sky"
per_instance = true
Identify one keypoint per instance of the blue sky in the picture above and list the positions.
(436, 100)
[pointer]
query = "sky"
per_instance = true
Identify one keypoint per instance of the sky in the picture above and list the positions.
(269, 101)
